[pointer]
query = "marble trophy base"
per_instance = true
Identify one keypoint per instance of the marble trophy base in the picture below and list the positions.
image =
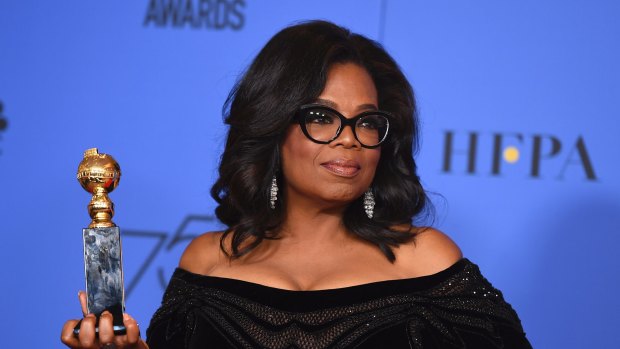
(104, 274)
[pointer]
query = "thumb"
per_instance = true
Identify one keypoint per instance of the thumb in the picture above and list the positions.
(82, 298)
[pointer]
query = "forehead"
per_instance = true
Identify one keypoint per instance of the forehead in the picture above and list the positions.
(348, 87)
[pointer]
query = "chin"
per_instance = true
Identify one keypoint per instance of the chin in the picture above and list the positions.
(343, 194)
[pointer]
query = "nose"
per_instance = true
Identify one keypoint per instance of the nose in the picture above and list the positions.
(346, 138)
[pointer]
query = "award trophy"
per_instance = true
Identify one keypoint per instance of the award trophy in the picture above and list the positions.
(99, 174)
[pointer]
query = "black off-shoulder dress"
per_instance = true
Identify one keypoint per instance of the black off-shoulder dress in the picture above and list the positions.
(455, 308)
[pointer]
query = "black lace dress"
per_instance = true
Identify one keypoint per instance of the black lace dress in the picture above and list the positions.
(455, 308)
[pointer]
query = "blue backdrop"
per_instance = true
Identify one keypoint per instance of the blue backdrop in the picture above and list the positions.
(520, 102)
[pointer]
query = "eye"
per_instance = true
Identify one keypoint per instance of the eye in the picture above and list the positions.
(318, 117)
(372, 122)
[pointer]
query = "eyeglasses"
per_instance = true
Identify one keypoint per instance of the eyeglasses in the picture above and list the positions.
(322, 124)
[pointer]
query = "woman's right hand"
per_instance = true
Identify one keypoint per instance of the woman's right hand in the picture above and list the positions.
(106, 339)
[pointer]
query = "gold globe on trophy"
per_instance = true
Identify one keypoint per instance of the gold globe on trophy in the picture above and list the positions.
(99, 174)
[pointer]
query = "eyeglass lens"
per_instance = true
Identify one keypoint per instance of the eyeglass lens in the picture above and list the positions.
(322, 125)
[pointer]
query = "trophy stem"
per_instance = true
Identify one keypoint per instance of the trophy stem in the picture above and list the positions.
(101, 209)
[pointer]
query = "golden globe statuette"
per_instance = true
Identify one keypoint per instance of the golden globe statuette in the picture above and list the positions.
(99, 174)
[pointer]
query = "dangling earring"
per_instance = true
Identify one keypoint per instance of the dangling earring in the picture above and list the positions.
(273, 193)
(369, 203)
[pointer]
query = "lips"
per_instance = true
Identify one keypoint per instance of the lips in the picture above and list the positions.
(342, 167)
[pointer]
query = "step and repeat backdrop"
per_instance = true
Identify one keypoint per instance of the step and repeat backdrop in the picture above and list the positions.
(519, 100)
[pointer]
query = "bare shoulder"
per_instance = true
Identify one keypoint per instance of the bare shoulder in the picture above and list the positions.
(430, 252)
(202, 254)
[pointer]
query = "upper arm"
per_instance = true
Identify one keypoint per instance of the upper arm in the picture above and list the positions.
(202, 254)
(430, 252)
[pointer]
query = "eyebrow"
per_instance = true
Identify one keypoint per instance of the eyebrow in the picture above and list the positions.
(334, 105)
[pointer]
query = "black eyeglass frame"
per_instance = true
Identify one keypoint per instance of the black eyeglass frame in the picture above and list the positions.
(300, 118)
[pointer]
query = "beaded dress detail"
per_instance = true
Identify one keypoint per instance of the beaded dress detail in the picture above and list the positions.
(456, 308)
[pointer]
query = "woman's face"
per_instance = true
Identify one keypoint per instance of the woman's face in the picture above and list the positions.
(342, 170)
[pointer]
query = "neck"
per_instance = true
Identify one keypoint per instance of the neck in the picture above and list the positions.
(304, 227)
(311, 222)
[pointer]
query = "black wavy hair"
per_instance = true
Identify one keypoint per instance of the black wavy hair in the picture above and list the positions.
(291, 70)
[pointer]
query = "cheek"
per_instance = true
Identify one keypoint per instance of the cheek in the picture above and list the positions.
(297, 153)
(373, 157)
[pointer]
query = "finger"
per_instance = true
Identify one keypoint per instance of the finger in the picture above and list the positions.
(87, 331)
(133, 330)
(106, 331)
(66, 335)
(82, 298)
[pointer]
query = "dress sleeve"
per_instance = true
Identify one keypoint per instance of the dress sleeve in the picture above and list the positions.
(465, 310)
(173, 322)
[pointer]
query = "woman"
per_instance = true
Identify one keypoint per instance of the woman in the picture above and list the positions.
(319, 190)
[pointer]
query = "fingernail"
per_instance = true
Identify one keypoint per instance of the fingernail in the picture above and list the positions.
(126, 317)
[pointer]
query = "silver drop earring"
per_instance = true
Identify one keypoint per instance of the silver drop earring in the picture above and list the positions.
(369, 203)
(273, 193)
